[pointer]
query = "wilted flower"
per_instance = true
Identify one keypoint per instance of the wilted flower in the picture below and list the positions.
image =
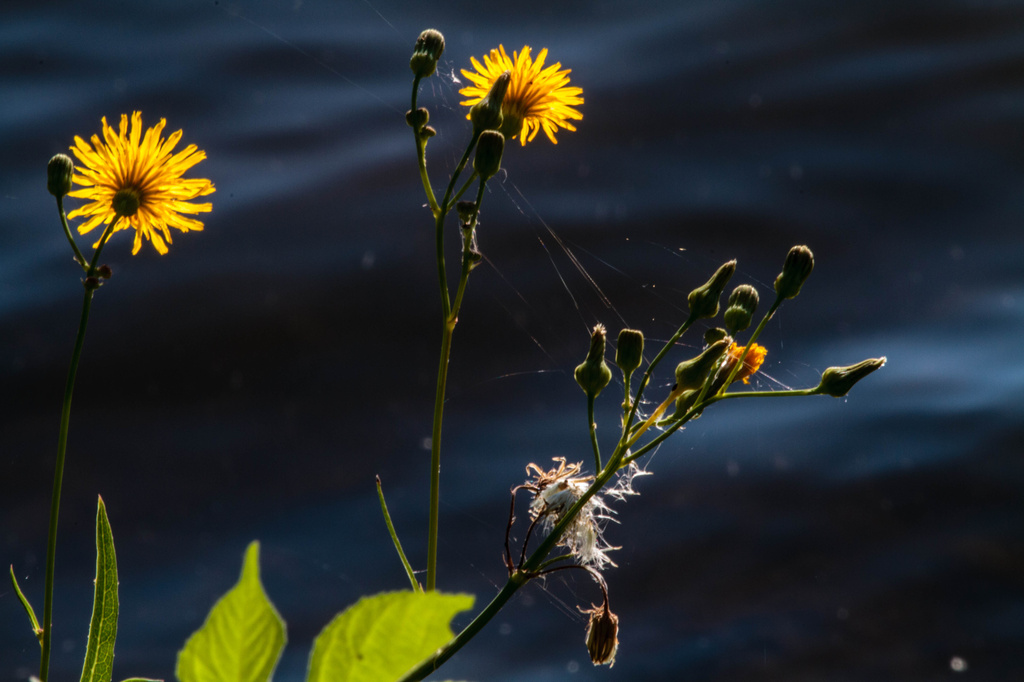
(602, 635)
(751, 363)
(538, 98)
(135, 180)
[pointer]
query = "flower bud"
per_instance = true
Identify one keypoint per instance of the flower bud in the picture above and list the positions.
(92, 283)
(429, 47)
(417, 119)
(837, 381)
(798, 266)
(593, 374)
(684, 402)
(486, 114)
(602, 635)
(427, 132)
(58, 175)
(489, 148)
(714, 334)
(104, 272)
(692, 373)
(741, 307)
(629, 352)
(704, 300)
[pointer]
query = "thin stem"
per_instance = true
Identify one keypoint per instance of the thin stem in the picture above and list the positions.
(421, 154)
(592, 427)
(435, 453)
(650, 369)
(67, 232)
(62, 442)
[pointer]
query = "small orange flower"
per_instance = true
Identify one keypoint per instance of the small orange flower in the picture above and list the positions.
(135, 180)
(538, 98)
(751, 363)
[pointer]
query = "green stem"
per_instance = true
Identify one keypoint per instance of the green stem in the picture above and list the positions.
(421, 154)
(650, 370)
(435, 453)
(67, 232)
(592, 427)
(62, 442)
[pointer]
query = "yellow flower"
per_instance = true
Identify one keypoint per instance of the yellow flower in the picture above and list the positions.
(538, 98)
(751, 363)
(135, 180)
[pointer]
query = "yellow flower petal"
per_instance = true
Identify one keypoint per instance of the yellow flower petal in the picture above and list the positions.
(140, 161)
(538, 98)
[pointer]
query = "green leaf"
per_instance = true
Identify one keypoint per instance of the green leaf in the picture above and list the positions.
(99, 652)
(242, 638)
(36, 630)
(379, 638)
(140, 679)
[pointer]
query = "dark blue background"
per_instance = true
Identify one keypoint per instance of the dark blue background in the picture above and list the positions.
(252, 382)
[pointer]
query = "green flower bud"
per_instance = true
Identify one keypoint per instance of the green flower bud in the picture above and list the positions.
(417, 119)
(798, 266)
(692, 373)
(488, 153)
(714, 334)
(58, 175)
(741, 307)
(837, 381)
(629, 352)
(593, 374)
(684, 402)
(429, 47)
(704, 300)
(466, 211)
(486, 114)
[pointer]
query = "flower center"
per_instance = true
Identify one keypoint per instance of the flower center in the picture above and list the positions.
(126, 202)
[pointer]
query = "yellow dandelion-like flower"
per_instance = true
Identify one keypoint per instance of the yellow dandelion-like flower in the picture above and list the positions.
(135, 180)
(751, 363)
(538, 98)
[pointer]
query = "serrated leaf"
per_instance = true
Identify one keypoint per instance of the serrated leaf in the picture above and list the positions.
(99, 652)
(242, 638)
(379, 638)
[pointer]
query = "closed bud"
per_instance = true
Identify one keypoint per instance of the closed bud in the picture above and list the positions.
(58, 175)
(692, 373)
(92, 283)
(714, 334)
(798, 266)
(427, 132)
(837, 381)
(486, 114)
(740, 309)
(629, 352)
(429, 47)
(684, 402)
(704, 300)
(417, 119)
(489, 148)
(593, 374)
(104, 272)
(602, 635)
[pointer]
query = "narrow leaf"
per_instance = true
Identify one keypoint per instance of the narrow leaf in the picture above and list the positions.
(99, 652)
(394, 538)
(36, 630)
(379, 638)
(242, 638)
(140, 679)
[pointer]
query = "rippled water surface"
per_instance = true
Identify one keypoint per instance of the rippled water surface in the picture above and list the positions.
(251, 383)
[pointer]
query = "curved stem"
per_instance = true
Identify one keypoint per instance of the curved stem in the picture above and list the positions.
(67, 233)
(421, 154)
(650, 369)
